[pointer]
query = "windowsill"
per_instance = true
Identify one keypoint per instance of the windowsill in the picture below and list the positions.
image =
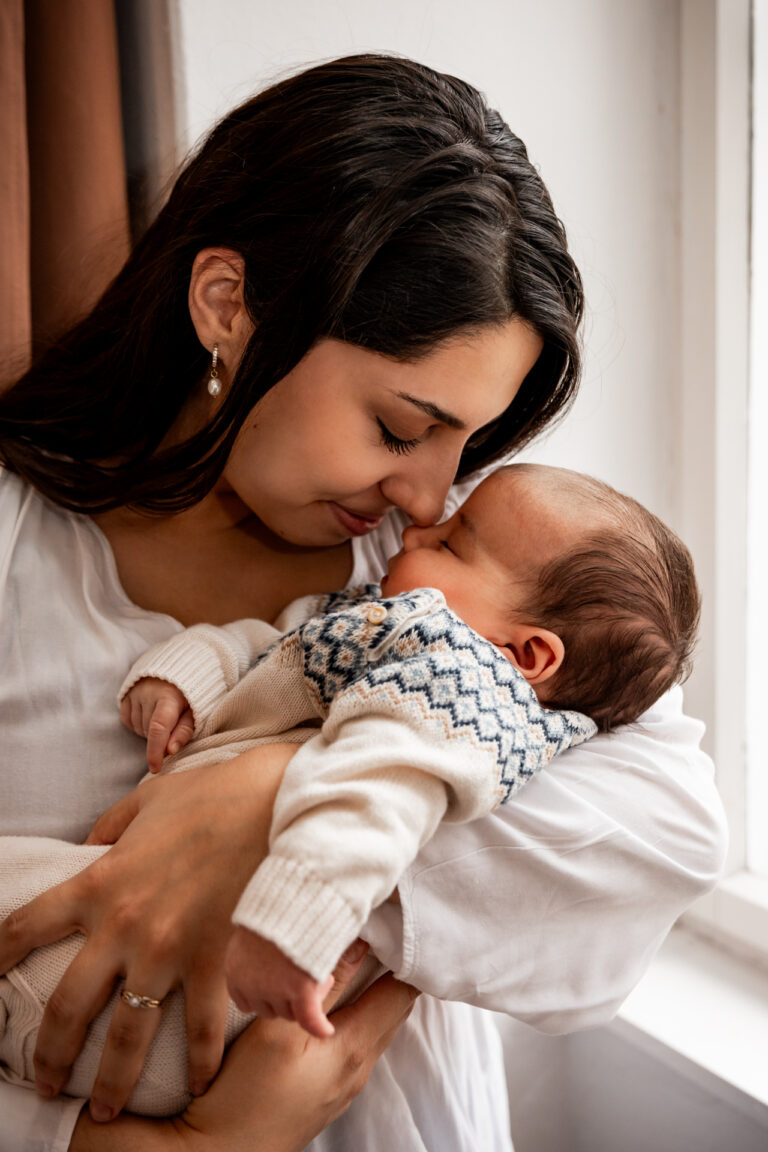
(704, 1013)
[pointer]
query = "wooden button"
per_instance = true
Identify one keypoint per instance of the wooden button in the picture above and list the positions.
(376, 613)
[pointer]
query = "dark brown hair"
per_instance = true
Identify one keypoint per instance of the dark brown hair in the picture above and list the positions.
(373, 201)
(626, 606)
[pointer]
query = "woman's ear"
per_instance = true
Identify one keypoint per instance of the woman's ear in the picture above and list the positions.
(536, 652)
(217, 305)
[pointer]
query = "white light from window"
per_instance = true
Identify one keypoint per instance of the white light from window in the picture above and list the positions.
(757, 573)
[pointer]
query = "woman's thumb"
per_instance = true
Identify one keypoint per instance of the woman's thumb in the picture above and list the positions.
(345, 972)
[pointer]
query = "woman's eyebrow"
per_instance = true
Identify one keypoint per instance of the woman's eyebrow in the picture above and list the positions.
(432, 410)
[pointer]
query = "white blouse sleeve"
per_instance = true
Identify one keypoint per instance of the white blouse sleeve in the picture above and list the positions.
(551, 909)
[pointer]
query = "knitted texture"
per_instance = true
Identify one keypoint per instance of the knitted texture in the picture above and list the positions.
(433, 665)
(208, 662)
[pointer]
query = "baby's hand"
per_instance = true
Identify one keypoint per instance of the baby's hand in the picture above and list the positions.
(159, 711)
(262, 979)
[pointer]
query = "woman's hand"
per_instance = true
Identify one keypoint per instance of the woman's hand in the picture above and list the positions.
(278, 1087)
(156, 911)
(287, 1086)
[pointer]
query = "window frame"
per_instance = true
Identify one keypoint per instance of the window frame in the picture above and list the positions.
(717, 74)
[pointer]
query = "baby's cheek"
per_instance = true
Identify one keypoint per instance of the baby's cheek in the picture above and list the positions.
(408, 572)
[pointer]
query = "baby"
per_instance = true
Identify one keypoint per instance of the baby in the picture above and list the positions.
(584, 600)
(547, 595)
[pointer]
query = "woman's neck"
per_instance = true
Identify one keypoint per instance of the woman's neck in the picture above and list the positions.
(216, 562)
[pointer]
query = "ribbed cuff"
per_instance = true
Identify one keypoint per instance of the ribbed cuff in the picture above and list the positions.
(194, 669)
(301, 913)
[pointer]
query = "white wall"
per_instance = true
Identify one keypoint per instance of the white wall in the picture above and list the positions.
(592, 87)
(602, 1090)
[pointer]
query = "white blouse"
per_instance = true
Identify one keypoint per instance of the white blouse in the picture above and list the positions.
(549, 910)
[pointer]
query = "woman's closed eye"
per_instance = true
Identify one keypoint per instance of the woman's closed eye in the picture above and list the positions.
(394, 443)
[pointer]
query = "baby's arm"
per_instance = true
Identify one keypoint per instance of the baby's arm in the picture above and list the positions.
(402, 748)
(175, 685)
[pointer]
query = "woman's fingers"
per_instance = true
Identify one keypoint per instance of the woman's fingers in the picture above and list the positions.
(345, 972)
(278, 1087)
(369, 1025)
(111, 824)
(46, 919)
(161, 897)
(81, 994)
(206, 1002)
(131, 1031)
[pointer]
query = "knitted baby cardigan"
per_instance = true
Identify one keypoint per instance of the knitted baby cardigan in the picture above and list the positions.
(422, 720)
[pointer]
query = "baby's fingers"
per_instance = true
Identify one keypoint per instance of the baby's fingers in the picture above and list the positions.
(126, 712)
(164, 717)
(182, 733)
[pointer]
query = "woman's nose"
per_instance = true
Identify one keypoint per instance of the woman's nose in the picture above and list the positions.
(420, 496)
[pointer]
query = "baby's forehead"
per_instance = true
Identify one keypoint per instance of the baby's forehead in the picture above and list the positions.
(542, 486)
(547, 505)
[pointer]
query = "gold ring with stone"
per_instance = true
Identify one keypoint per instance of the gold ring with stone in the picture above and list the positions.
(133, 1000)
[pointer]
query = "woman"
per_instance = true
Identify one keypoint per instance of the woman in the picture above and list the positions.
(357, 293)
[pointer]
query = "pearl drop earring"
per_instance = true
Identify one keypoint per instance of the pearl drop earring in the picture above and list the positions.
(214, 384)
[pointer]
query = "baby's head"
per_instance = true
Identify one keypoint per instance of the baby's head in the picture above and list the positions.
(590, 595)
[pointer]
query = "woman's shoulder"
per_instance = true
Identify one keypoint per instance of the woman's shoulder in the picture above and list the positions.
(16, 497)
(13, 490)
(26, 518)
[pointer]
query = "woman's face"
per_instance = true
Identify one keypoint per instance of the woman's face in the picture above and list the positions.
(350, 434)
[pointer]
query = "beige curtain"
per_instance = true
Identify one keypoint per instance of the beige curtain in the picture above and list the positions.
(63, 211)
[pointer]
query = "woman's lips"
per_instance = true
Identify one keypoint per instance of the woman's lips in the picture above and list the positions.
(353, 522)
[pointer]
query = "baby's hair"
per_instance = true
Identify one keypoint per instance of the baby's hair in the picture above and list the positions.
(626, 605)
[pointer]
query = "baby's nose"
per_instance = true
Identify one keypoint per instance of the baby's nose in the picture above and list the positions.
(413, 537)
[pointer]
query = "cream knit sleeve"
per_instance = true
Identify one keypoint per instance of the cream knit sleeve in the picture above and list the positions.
(204, 662)
(356, 803)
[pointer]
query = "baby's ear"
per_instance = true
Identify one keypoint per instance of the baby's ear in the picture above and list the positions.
(536, 652)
